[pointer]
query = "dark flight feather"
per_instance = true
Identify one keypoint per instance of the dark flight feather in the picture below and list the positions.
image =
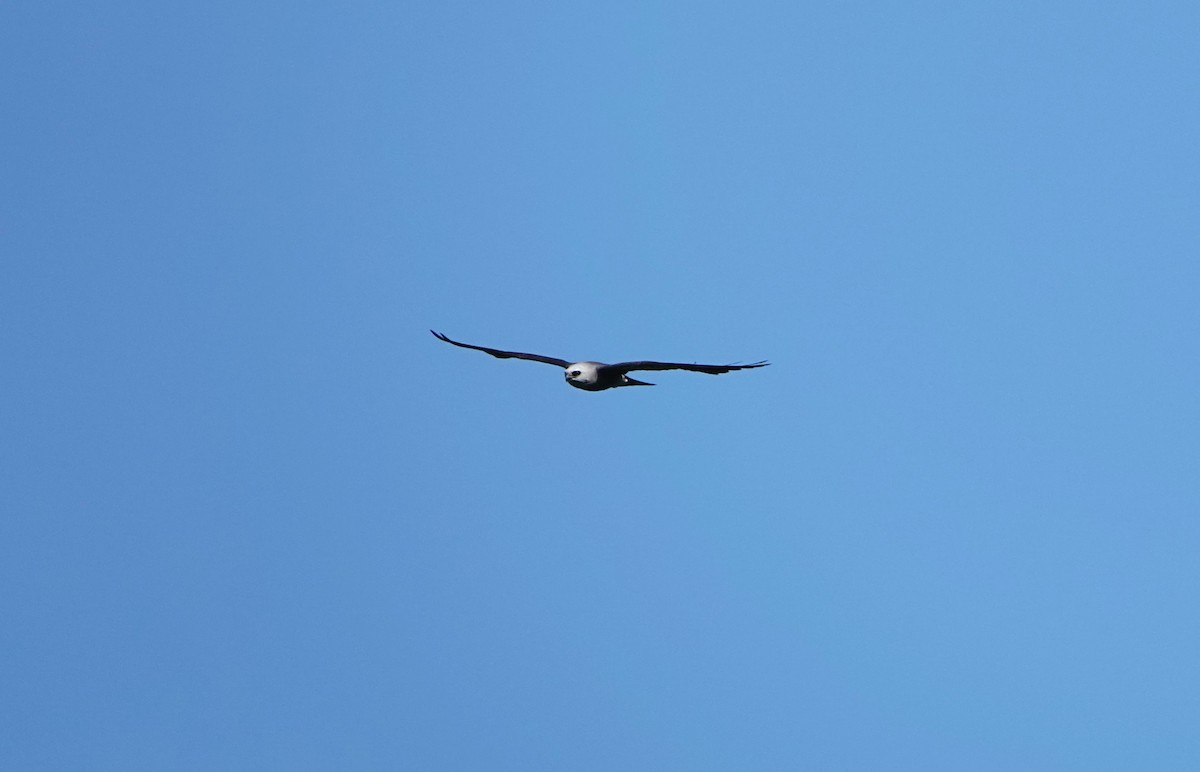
(625, 367)
(504, 354)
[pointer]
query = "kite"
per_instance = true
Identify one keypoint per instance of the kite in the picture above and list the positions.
(597, 376)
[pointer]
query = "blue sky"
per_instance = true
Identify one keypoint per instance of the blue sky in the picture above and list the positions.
(256, 517)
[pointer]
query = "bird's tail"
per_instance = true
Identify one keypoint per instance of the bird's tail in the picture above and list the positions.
(631, 382)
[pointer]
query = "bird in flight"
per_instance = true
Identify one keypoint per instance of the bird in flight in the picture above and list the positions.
(597, 376)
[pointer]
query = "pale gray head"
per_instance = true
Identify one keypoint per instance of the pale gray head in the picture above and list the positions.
(582, 374)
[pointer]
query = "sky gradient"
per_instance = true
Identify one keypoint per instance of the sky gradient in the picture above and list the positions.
(253, 516)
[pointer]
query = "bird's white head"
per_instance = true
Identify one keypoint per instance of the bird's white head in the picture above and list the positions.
(583, 375)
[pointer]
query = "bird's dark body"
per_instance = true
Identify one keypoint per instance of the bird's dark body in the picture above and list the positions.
(607, 379)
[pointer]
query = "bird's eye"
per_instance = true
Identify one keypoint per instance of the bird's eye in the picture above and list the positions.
(575, 372)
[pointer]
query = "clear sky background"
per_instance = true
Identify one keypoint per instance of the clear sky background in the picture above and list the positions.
(255, 517)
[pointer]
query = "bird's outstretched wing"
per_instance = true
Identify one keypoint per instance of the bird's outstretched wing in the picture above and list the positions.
(625, 367)
(504, 354)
